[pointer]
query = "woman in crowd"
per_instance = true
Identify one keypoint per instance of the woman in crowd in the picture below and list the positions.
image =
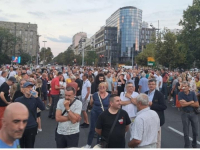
(19, 93)
(39, 90)
(62, 91)
(100, 103)
(50, 78)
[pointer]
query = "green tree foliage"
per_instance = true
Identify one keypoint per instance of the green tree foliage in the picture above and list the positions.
(46, 52)
(169, 52)
(91, 57)
(4, 59)
(67, 57)
(149, 51)
(190, 35)
(25, 58)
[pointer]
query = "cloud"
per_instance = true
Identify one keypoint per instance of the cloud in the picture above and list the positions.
(38, 14)
(61, 39)
(70, 12)
(3, 19)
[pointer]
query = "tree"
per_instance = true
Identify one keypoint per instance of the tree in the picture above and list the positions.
(91, 57)
(149, 51)
(170, 52)
(25, 58)
(190, 35)
(46, 52)
(4, 58)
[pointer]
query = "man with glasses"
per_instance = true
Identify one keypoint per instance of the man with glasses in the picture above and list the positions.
(188, 102)
(156, 103)
(128, 100)
(4, 95)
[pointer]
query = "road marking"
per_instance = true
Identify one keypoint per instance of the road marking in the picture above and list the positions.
(180, 133)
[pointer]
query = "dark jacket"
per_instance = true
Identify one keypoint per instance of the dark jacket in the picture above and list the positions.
(158, 105)
(136, 83)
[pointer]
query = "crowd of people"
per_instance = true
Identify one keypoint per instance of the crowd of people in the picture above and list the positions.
(118, 101)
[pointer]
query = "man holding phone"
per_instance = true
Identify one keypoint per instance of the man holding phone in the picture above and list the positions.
(32, 102)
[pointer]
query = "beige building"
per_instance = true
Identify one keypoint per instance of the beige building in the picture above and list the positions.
(27, 32)
(76, 39)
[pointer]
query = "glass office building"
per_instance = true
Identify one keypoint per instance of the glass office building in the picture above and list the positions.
(128, 21)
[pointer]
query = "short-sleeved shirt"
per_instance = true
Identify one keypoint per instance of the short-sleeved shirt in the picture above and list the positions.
(15, 144)
(190, 97)
(55, 82)
(131, 109)
(4, 88)
(85, 85)
(145, 127)
(67, 127)
(105, 122)
(2, 80)
(144, 83)
(110, 82)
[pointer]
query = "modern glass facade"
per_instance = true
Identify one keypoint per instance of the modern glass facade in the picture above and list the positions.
(128, 21)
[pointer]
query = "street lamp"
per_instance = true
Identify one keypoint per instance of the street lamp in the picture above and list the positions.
(44, 51)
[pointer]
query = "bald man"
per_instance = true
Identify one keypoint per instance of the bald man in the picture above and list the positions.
(13, 125)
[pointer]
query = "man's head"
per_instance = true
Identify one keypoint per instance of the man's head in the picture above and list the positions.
(143, 74)
(115, 102)
(77, 75)
(163, 70)
(108, 74)
(70, 93)
(134, 75)
(152, 84)
(185, 86)
(25, 76)
(85, 76)
(11, 68)
(11, 81)
(14, 121)
(27, 87)
(128, 76)
(142, 101)
(129, 87)
(158, 72)
(101, 77)
(60, 75)
(4, 74)
(44, 76)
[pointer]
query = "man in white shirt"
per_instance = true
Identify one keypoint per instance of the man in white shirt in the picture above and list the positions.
(128, 101)
(160, 80)
(12, 72)
(67, 133)
(85, 98)
(144, 130)
(4, 74)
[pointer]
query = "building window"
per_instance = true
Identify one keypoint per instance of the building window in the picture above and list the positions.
(30, 39)
(31, 46)
(25, 39)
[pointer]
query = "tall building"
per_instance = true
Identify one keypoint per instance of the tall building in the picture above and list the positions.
(29, 38)
(128, 21)
(77, 37)
(106, 45)
(145, 36)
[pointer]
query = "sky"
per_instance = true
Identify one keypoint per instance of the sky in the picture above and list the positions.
(59, 20)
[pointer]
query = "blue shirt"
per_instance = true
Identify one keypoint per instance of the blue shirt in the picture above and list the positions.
(190, 97)
(151, 95)
(97, 104)
(15, 144)
(32, 104)
(144, 83)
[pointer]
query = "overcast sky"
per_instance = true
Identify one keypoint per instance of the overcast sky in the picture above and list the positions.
(59, 20)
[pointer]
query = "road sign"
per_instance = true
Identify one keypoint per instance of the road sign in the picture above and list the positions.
(150, 61)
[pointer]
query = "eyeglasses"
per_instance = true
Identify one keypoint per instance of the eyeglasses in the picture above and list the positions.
(103, 87)
(129, 86)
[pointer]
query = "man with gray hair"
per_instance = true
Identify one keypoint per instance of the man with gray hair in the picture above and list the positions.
(73, 83)
(144, 130)
(143, 84)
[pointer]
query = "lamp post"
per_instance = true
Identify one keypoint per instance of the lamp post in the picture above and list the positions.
(44, 51)
(151, 25)
(37, 57)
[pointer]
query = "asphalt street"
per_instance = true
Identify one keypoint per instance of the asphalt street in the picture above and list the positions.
(172, 135)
